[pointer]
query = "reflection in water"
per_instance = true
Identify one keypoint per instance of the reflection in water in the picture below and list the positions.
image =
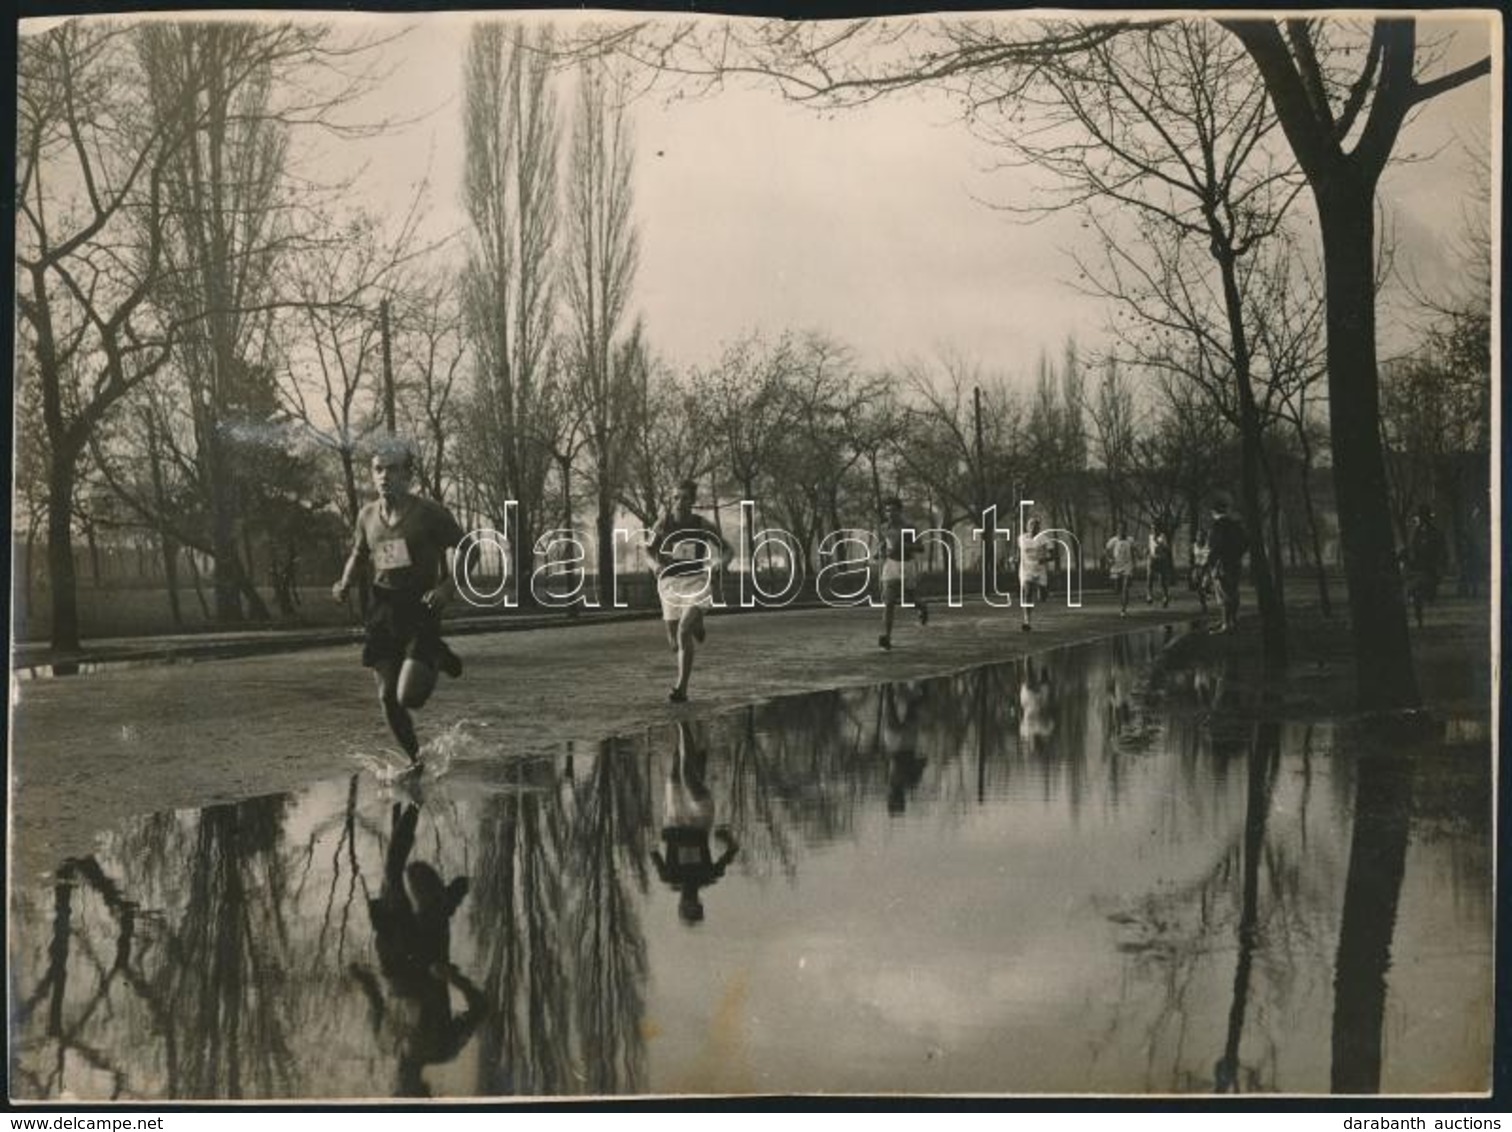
(608, 981)
(1377, 858)
(688, 818)
(1102, 865)
(411, 919)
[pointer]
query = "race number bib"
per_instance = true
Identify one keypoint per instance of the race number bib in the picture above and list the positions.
(391, 554)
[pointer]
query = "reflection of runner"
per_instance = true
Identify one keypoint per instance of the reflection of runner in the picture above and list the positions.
(1036, 709)
(408, 543)
(411, 920)
(683, 544)
(1120, 700)
(688, 819)
(898, 738)
(900, 568)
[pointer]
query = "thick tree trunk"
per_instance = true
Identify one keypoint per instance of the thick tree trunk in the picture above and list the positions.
(1377, 608)
(170, 578)
(61, 577)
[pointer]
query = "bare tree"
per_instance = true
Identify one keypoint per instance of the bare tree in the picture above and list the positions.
(509, 284)
(1323, 107)
(232, 222)
(430, 350)
(1172, 128)
(1114, 433)
(89, 179)
(670, 443)
(599, 273)
(948, 411)
(332, 381)
(1320, 109)
(747, 411)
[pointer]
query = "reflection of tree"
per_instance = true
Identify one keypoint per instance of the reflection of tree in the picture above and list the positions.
(759, 787)
(65, 1029)
(343, 860)
(208, 985)
(604, 931)
(1377, 859)
(518, 917)
(225, 985)
(1263, 758)
(1175, 932)
(564, 968)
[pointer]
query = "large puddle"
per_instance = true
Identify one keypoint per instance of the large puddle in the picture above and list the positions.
(1081, 873)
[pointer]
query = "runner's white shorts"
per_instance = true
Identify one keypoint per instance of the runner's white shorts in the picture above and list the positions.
(682, 592)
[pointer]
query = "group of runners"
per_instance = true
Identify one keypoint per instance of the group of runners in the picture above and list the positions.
(1217, 557)
(407, 546)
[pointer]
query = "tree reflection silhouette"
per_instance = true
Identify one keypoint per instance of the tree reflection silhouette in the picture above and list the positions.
(518, 915)
(1252, 891)
(1264, 755)
(610, 806)
(1377, 859)
(211, 985)
(564, 963)
(226, 988)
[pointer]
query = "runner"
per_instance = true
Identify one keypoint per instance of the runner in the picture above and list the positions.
(1160, 568)
(1121, 567)
(1228, 543)
(409, 544)
(1198, 580)
(682, 543)
(900, 568)
(1425, 562)
(1033, 570)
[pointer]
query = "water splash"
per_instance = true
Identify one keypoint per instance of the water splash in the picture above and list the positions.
(459, 742)
(383, 769)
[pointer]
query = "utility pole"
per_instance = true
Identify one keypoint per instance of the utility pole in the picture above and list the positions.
(388, 368)
(989, 544)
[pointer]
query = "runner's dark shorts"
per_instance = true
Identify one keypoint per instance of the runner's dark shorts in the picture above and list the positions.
(400, 627)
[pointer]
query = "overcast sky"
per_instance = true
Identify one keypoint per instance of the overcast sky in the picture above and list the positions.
(755, 213)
